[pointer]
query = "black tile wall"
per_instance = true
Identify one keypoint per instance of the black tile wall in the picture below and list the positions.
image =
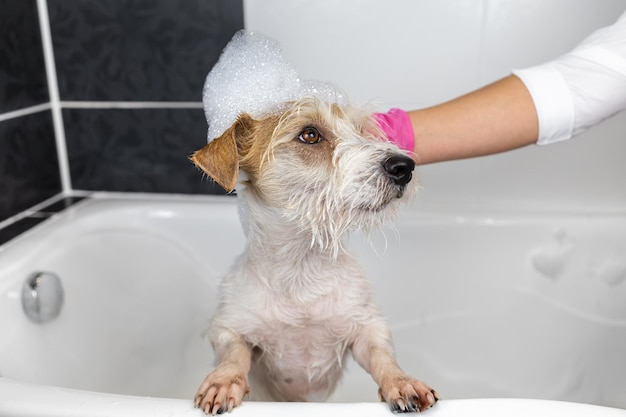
(29, 170)
(22, 70)
(111, 51)
(142, 150)
(139, 50)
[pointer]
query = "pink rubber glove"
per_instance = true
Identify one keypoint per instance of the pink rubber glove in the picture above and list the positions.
(397, 126)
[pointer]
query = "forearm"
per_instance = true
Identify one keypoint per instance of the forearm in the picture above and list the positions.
(495, 118)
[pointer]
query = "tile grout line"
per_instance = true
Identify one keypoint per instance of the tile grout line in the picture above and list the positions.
(53, 91)
(25, 111)
(131, 104)
(29, 211)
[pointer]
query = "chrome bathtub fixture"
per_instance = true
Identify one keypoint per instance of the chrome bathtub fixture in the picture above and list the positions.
(42, 297)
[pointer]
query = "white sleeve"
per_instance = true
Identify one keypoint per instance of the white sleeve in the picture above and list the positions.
(581, 88)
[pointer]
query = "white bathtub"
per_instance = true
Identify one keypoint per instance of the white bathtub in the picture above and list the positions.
(517, 305)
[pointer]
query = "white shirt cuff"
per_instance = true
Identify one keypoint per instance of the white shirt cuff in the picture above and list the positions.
(553, 102)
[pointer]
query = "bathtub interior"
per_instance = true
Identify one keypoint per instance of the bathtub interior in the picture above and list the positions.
(488, 304)
(140, 283)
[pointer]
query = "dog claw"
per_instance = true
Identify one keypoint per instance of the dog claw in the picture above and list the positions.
(411, 407)
(432, 397)
(396, 408)
(400, 407)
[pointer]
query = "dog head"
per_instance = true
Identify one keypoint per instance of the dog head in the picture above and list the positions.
(325, 166)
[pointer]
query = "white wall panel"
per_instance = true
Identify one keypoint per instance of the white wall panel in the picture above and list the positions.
(414, 53)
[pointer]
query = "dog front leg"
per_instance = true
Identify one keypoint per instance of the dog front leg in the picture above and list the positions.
(373, 350)
(224, 388)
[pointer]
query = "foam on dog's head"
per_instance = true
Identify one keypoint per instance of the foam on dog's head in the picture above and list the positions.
(253, 77)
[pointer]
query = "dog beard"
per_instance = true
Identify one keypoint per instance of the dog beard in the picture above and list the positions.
(337, 206)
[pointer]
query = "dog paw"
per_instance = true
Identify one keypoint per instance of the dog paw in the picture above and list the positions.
(405, 395)
(221, 391)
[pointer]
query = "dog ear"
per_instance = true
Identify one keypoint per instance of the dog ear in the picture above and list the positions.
(219, 159)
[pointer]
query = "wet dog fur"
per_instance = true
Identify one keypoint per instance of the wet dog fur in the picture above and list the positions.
(296, 303)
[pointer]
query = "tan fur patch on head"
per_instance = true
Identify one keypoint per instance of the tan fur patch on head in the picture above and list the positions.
(330, 121)
(258, 141)
(255, 148)
(220, 158)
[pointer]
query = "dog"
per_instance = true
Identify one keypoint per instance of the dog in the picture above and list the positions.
(295, 303)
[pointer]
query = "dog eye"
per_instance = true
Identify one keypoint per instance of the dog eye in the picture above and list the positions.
(310, 135)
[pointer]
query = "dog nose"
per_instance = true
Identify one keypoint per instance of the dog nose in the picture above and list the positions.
(399, 168)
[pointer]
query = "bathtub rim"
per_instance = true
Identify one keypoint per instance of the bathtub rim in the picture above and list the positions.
(43, 218)
(414, 208)
(16, 399)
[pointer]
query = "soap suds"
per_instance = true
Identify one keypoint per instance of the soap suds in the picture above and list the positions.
(253, 77)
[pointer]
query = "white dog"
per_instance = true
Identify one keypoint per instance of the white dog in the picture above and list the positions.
(295, 302)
